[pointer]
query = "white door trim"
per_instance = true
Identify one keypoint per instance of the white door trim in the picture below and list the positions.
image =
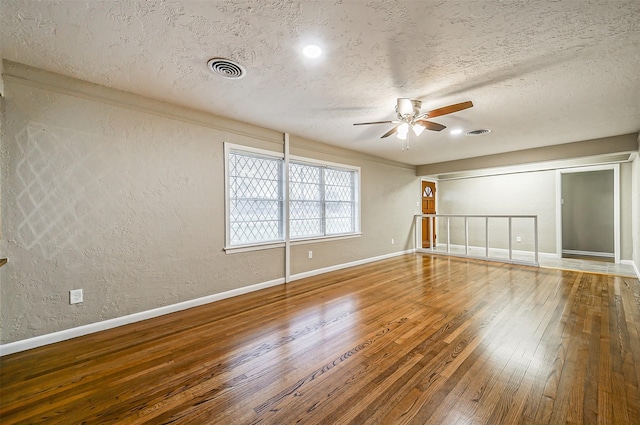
(616, 204)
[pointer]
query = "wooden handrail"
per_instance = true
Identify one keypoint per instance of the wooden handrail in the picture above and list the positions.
(3, 261)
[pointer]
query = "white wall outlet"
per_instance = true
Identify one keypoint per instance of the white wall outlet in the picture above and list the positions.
(418, 204)
(75, 296)
(518, 239)
(310, 254)
(392, 241)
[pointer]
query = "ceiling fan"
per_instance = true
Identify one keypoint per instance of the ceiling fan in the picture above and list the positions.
(409, 116)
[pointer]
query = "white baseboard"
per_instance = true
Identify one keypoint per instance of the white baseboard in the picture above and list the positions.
(633, 264)
(589, 253)
(42, 340)
(39, 341)
(351, 264)
(502, 252)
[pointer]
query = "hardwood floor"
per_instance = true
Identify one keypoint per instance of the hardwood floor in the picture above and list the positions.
(409, 340)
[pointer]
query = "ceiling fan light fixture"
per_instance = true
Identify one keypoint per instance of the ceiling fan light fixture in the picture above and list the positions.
(403, 131)
(456, 131)
(418, 129)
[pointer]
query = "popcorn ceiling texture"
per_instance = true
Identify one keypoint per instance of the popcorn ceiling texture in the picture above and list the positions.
(538, 72)
(129, 206)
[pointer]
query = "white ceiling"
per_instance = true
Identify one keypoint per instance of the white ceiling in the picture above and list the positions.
(538, 72)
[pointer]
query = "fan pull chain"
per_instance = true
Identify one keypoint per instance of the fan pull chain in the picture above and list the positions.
(405, 144)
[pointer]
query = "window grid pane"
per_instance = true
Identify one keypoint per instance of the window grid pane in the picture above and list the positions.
(322, 201)
(306, 215)
(255, 199)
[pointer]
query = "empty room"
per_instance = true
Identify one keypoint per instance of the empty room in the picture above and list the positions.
(320, 212)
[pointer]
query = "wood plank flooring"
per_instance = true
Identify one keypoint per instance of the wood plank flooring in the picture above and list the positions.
(415, 339)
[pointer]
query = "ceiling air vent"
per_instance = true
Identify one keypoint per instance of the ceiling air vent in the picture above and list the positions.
(478, 132)
(226, 68)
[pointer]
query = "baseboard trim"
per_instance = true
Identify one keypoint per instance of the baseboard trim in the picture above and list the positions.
(633, 264)
(42, 340)
(441, 249)
(589, 253)
(316, 272)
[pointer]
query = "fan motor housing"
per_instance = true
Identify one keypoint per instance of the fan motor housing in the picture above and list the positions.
(408, 107)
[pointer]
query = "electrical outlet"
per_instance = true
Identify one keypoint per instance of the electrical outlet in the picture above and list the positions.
(75, 296)
(310, 254)
(518, 239)
(392, 241)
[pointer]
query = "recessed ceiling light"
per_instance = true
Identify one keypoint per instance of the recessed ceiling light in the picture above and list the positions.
(312, 51)
(456, 131)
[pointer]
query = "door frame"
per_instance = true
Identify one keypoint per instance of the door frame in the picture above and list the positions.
(419, 203)
(616, 204)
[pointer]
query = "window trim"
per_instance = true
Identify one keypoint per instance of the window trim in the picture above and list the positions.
(233, 148)
(242, 149)
(356, 196)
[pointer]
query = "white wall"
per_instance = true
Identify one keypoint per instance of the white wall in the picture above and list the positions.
(124, 197)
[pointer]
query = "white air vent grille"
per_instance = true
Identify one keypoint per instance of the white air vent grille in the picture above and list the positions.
(226, 68)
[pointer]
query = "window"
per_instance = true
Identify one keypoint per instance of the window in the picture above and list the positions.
(323, 198)
(340, 201)
(255, 199)
(305, 204)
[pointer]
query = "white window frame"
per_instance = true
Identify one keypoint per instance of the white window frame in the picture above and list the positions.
(233, 148)
(228, 248)
(356, 197)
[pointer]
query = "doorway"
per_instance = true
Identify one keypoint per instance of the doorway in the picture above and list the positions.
(589, 214)
(428, 207)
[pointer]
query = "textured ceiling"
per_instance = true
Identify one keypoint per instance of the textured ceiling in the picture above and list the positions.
(538, 72)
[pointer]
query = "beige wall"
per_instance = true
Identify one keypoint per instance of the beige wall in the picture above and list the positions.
(513, 194)
(124, 197)
(522, 193)
(635, 210)
(627, 211)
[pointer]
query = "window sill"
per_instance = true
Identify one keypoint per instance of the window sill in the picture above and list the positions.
(271, 245)
(257, 247)
(318, 239)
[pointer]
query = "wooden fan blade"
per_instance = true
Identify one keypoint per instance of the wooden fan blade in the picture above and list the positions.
(375, 122)
(390, 132)
(429, 125)
(449, 109)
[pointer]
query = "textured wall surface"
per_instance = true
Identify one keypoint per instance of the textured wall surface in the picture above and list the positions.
(627, 213)
(635, 207)
(526, 193)
(532, 193)
(129, 206)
